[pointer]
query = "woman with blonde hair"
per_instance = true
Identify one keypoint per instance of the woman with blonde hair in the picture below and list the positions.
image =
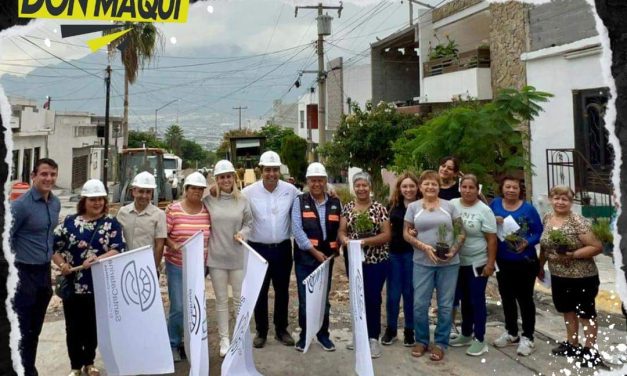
(231, 221)
(569, 246)
(400, 267)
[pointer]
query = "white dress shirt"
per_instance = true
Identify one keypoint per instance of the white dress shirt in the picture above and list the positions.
(271, 211)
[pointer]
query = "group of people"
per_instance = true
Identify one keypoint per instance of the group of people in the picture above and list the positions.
(438, 236)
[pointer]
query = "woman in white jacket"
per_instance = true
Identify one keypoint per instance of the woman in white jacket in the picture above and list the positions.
(231, 220)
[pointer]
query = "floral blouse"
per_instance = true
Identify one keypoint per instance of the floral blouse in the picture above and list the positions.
(75, 240)
(562, 266)
(378, 214)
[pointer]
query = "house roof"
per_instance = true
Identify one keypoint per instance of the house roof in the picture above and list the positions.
(407, 37)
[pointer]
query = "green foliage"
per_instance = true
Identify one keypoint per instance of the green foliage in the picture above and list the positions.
(294, 155)
(193, 153)
(275, 134)
(559, 239)
(174, 139)
(362, 224)
(224, 147)
(443, 234)
(344, 194)
(602, 230)
(485, 137)
(137, 139)
(448, 49)
(365, 138)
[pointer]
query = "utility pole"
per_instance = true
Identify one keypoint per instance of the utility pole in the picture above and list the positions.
(411, 9)
(240, 108)
(324, 28)
(105, 164)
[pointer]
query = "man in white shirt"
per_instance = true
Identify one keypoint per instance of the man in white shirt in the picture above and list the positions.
(271, 202)
(142, 222)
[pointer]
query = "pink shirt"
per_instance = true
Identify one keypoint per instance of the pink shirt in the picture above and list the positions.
(182, 226)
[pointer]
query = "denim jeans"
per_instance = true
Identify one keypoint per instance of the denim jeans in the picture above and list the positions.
(374, 278)
(302, 272)
(399, 283)
(175, 294)
(444, 280)
(471, 292)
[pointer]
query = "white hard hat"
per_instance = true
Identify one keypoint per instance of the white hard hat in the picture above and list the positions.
(144, 180)
(196, 179)
(222, 167)
(270, 159)
(93, 188)
(316, 169)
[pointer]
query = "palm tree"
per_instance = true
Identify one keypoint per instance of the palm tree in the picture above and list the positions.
(142, 44)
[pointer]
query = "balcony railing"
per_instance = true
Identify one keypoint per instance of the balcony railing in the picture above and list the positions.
(478, 58)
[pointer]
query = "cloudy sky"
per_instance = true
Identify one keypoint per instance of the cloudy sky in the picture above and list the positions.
(229, 53)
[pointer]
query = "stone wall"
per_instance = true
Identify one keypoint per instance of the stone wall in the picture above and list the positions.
(335, 93)
(451, 8)
(509, 35)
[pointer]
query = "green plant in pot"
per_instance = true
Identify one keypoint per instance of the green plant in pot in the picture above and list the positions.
(561, 242)
(515, 239)
(602, 230)
(363, 226)
(442, 247)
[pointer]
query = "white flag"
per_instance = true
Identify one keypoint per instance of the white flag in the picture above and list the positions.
(316, 287)
(194, 306)
(132, 334)
(363, 359)
(239, 359)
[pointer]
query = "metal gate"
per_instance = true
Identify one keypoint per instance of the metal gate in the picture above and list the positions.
(80, 166)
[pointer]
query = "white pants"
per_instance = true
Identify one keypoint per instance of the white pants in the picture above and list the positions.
(221, 279)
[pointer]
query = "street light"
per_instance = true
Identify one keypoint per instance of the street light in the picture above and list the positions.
(157, 110)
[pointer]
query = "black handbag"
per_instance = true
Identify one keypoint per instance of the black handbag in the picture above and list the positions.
(64, 284)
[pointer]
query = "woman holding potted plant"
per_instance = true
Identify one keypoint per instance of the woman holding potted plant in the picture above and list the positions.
(400, 268)
(569, 245)
(477, 258)
(368, 220)
(518, 263)
(440, 234)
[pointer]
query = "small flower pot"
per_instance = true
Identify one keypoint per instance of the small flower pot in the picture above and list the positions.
(562, 249)
(514, 244)
(441, 249)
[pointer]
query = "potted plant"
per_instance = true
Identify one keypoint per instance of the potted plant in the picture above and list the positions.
(442, 247)
(515, 239)
(363, 226)
(561, 242)
(449, 49)
(602, 230)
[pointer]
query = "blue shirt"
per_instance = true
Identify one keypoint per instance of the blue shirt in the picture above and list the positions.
(34, 220)
(297, 223)
(527, 217)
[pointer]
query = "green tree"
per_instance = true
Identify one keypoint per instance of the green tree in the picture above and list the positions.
(485, 137)
(137, 139)
(294, 155)
(275, 134)
(174, 138)
(142, 44)
(364, 139)
(194, 154)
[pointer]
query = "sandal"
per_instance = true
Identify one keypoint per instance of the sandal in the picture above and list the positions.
(437, 353)
(419, 350)
(90, 370)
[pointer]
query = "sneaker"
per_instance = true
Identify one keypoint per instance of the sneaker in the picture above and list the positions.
(506, 340)
(224, 346)
(525, 347)
(90, 370)
(75, 372)
(285, 338)
(326, 343)
(477, 348)
(300, 345)
(454, 332)
(375, 348)
(590, 358)
(409, 340)
(566, 349)
(461, 341)
(389, 337)
(176, 355)
(350, 345)
(259, 341)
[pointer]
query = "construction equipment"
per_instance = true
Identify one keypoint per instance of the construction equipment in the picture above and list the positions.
(244, 154)
(132, 162)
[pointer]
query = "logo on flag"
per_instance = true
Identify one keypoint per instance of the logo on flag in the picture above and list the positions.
(139, 288)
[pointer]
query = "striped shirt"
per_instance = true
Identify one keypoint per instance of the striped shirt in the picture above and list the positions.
(182, 226)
